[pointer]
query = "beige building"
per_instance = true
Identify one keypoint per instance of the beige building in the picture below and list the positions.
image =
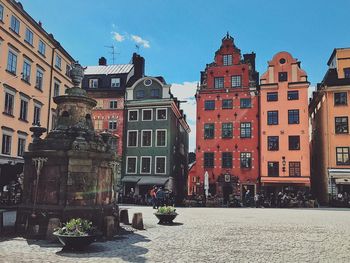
(329, 112)
(34, 68)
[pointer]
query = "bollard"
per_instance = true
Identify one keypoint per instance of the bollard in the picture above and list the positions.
(109, 229)
(124, 216)
(52, 225)
(137, 221)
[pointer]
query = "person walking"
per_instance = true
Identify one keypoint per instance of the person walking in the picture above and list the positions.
(160, 197)
(153, 194)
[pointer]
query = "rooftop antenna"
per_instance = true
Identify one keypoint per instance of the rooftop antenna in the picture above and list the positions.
(112, 52)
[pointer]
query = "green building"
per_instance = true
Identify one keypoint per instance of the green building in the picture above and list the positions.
(155, 141)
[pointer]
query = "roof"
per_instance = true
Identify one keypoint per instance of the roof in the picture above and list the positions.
(108, 70)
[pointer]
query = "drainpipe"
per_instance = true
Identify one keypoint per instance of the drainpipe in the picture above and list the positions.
(49, 106)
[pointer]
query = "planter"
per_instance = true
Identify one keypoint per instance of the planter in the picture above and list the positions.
(165, 218)
(75, 242)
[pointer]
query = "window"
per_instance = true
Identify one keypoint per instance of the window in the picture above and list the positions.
(272, 96)
(132, 138)
(6, 144)
(226, 104)
(113, 104)
(272, 117)
(41, 47)
(155, 93)
(340, 98)
(39, 79)
(98, 124)
(236, 81)
(272, 143)
(37, 110)
(347, 73)
(219, 82)
(294, 169)
(140, 94)
(161, 138)
(15, 24)
(146, 138)
(56, 89)
(227, 60)
(282, 76)
(12, 62)
(246, 130)
(131, 165)
(227, 129)
(23, 110)
(115, 82)
(294, 142)
(246, 160)
(58, 61)
(343, 155)
(246, 103)
(226, 160)
(93, 83)
(208, 160)
(26, 71)
(29, 36)
(21, 146)
(112, 125)
(1, 12)
(9, 103)
(273, 169)
(160, 164)
(133, 115)
(161, 114)
(145, 165)
(209, 131)
(341, 125)
(293, 116)
(68, 68)
(293, 95)
(147, 115)
(209, 105)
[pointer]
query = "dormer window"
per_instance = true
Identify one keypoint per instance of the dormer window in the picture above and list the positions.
(140, 94)
(115, 82)
(93, 83)
(227, 60)
(155, 93)
(347, 73)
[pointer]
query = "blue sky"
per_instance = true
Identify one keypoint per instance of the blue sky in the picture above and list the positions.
(179, 37)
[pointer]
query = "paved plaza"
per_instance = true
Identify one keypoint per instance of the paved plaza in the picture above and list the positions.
(210, 235)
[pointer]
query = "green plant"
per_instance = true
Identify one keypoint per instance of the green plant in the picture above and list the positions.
(76, 227)
(166, 210)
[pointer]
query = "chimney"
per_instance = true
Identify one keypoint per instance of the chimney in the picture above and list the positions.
(102, 61)
(139, 66)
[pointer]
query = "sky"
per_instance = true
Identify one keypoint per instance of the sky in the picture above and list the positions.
(178, 38)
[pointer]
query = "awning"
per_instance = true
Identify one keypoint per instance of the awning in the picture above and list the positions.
(152, 180)
(131, 179)
(342, 181)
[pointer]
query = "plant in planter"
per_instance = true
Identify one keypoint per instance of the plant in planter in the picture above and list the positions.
(166, 214)
(77, 233)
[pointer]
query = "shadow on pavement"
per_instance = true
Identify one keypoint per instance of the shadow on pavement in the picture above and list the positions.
(171, 224)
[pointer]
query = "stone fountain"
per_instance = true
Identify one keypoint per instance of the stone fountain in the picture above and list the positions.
(72, 172)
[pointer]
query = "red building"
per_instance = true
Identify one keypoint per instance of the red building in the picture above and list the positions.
(227, 124)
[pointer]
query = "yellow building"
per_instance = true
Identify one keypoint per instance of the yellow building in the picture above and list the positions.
(34, 68)
(329, 112)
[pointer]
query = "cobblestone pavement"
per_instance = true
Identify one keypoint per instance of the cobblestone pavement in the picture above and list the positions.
(211, 235)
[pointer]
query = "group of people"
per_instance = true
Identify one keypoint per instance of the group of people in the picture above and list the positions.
(343, 199)
(285, 199)
(160, 197)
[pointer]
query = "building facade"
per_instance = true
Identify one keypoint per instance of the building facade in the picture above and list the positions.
(284, 126)
(34, 68)
(156, 139)
(107, 85)
(227, 124)
(329, 114)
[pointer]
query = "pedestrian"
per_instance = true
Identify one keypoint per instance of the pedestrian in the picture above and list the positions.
(153, 194)
(256, 199)
(160, 197)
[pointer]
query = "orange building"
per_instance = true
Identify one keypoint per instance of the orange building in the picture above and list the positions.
(34, 67)
(329, 114)
(284, 126)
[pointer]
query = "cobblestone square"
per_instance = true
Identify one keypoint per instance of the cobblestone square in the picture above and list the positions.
(211, 235)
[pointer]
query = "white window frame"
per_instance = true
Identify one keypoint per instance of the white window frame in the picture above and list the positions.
(155, 164)
(116, 124)
(150, 164)
(142, 131)
(20, 107)
(166, 114)
(2, 13)
(29, 33)
(126, 166)
(113, 86)
(36, 105)
(137, 119)
(15, 54)
(7, 133)
(166, 138)
(23, 137)
(113, 102)
(137, 139)
(41, 47)
(93, 81)
(17, 24)
(151, 114)
(58, 61)
(29, 64)
(39, 70)
(54, 88)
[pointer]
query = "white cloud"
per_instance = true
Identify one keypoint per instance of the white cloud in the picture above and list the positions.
(118, 37)
(140, 41)
(186, 92)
